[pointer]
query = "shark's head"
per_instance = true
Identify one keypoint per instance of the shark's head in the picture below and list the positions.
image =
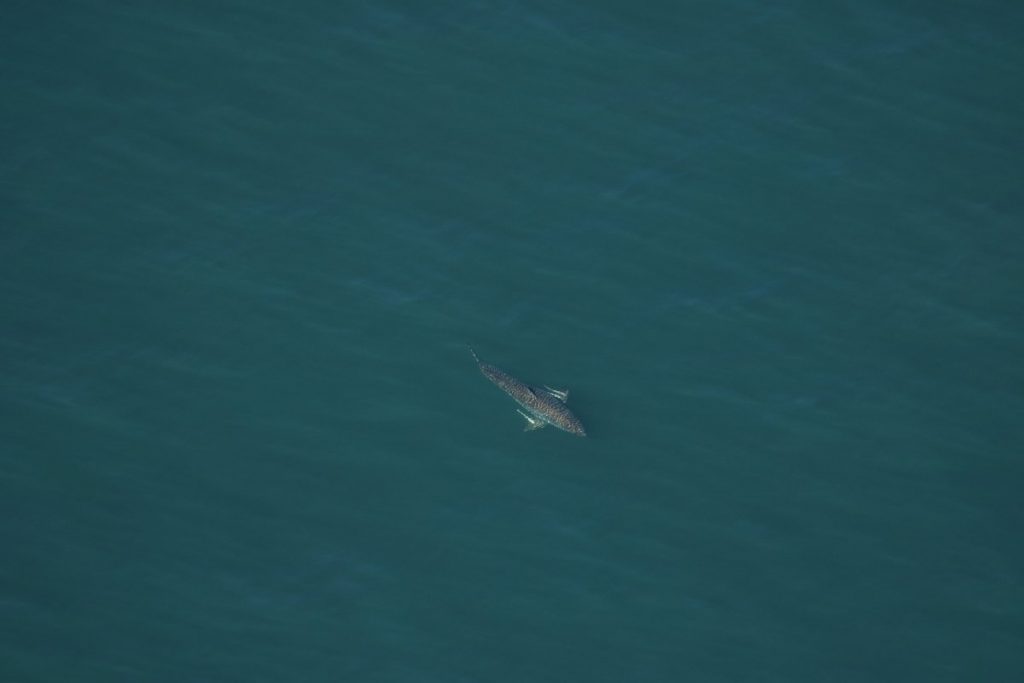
(574, 426)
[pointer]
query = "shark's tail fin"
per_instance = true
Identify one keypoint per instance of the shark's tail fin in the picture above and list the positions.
(475, 357)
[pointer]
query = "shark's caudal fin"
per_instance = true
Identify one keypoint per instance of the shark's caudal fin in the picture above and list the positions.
(475, 357)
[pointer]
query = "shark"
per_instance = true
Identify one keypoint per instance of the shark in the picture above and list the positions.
(542, 406)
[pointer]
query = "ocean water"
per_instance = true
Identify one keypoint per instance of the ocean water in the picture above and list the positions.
(772, 248)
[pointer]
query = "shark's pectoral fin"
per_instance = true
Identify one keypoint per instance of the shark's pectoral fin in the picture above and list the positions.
(561, 394)
(531, 422)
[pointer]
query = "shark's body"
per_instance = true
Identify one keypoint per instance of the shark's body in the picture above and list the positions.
(544, 406)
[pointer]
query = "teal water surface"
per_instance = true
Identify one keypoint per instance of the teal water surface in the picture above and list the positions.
(773, 250)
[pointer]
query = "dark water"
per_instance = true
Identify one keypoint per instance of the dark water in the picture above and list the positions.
(774, 250)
